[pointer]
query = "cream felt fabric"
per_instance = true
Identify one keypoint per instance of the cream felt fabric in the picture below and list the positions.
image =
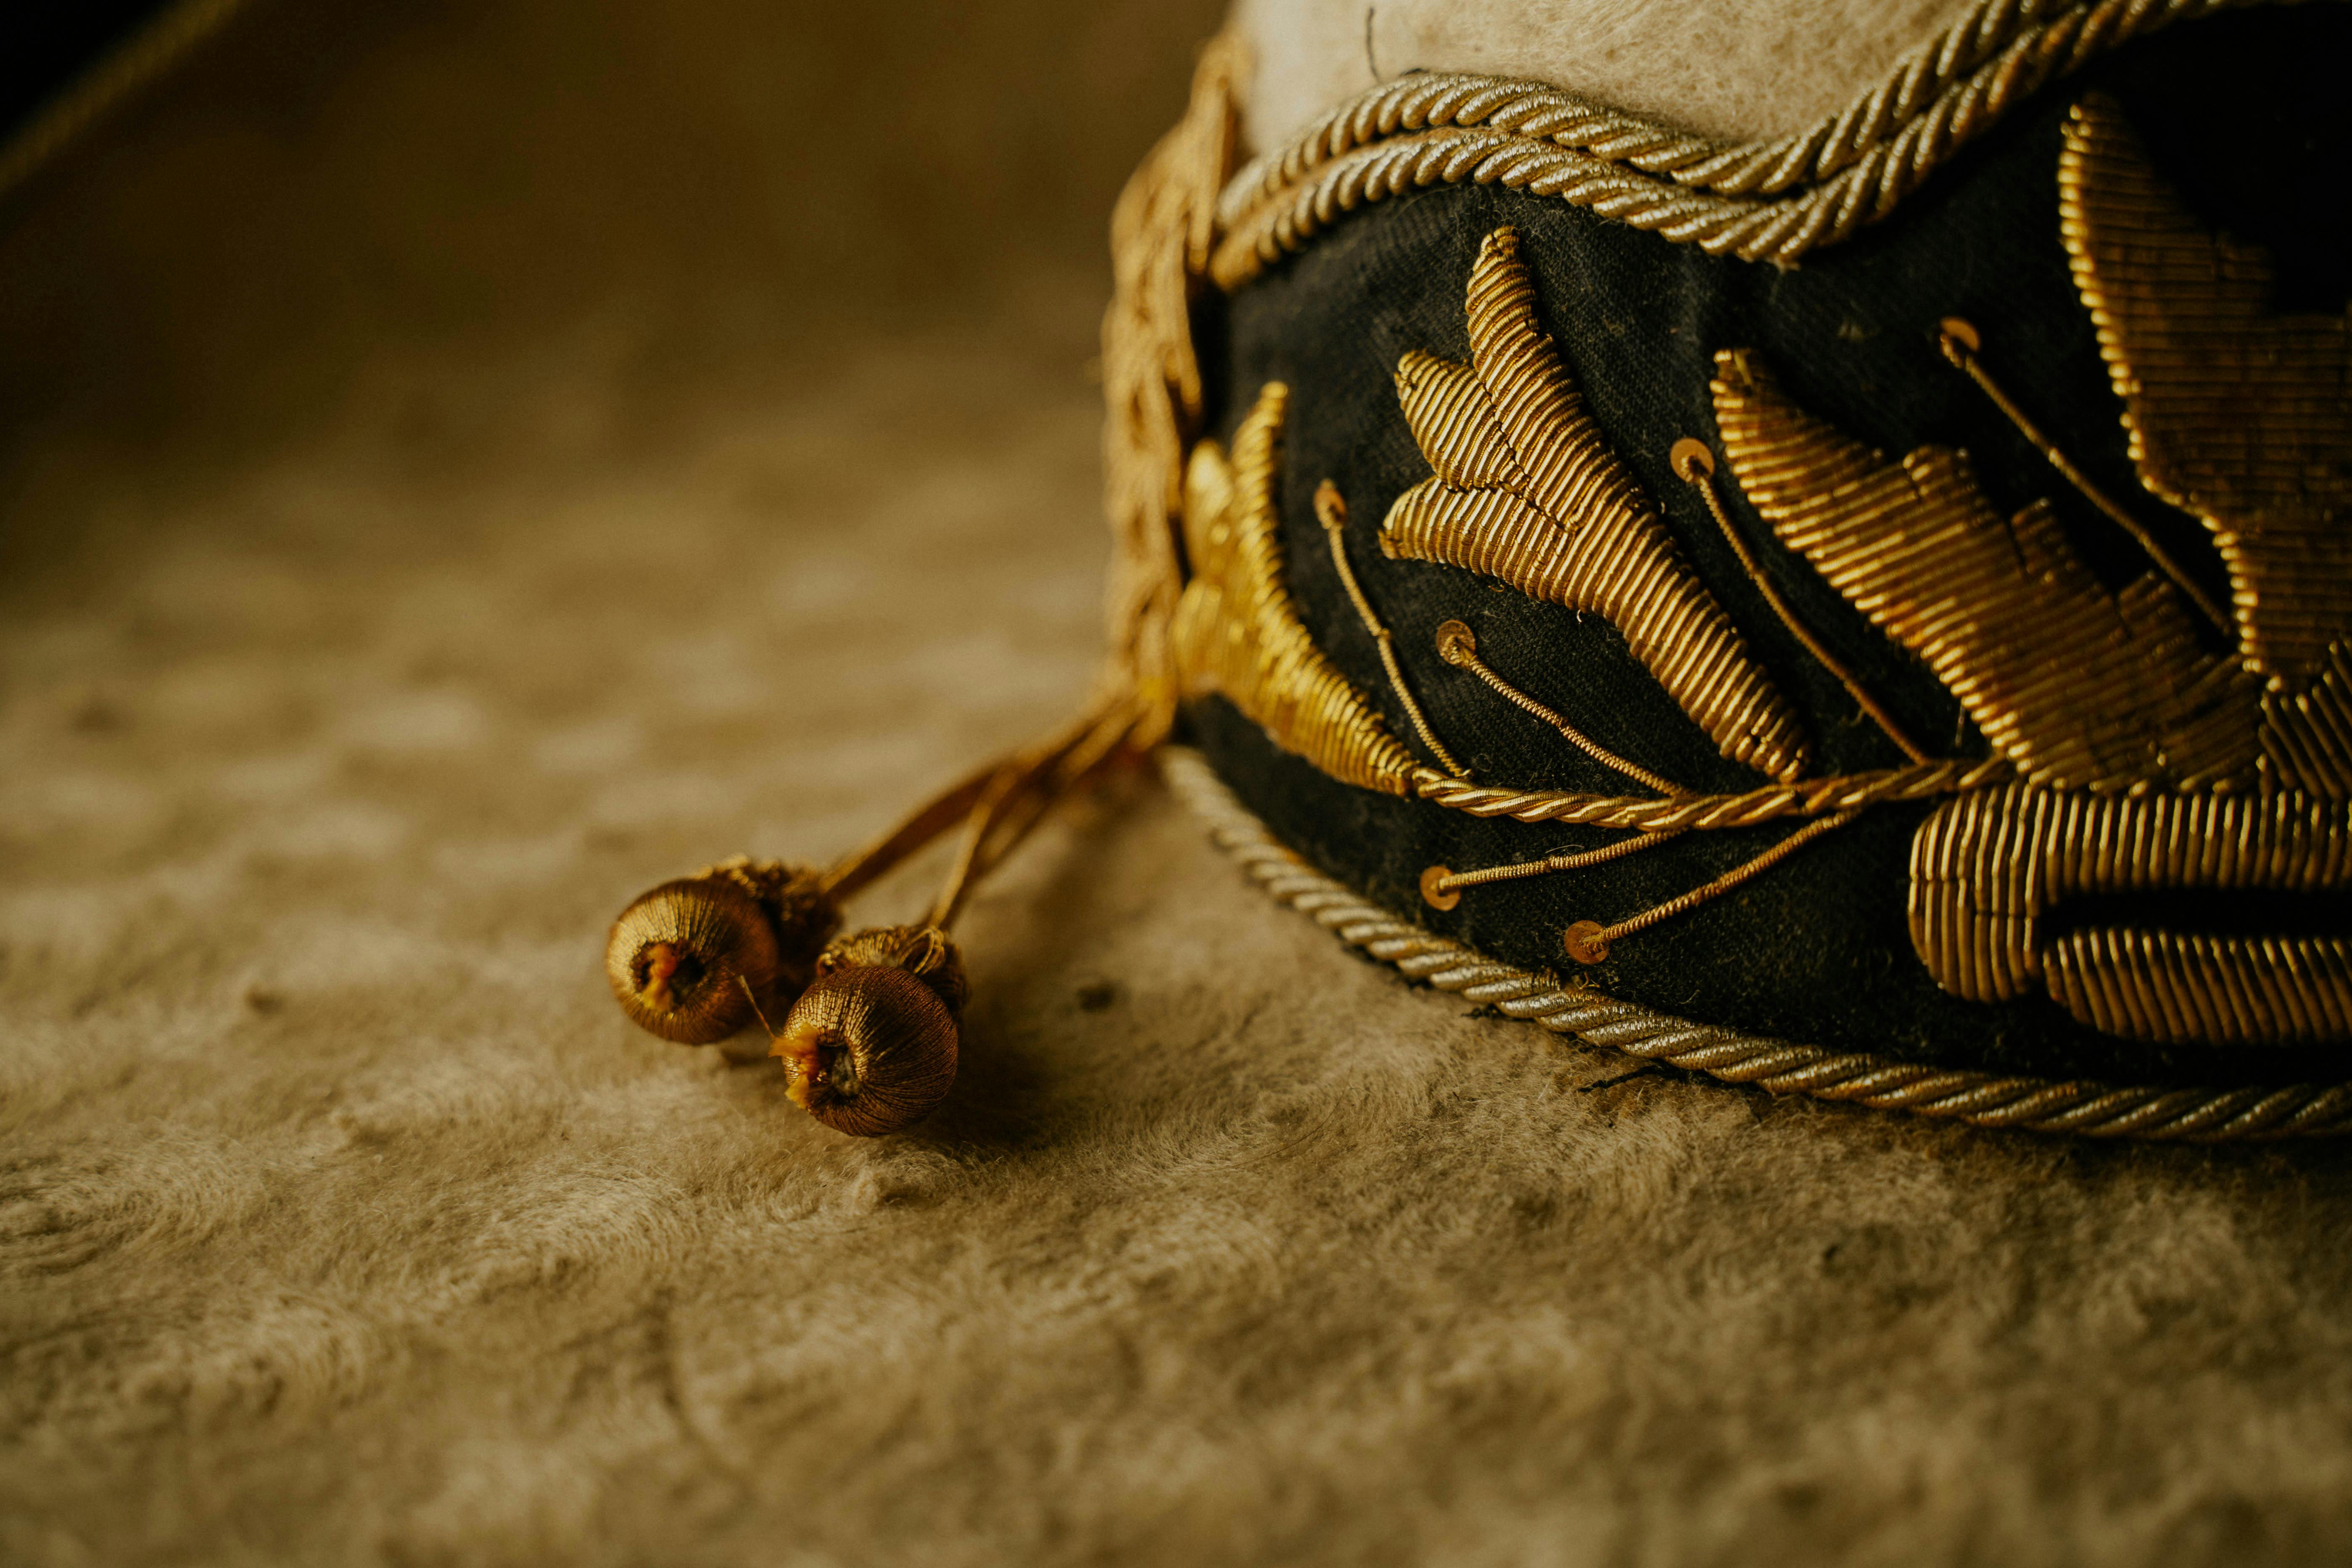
(392, 582)
(1734, 69)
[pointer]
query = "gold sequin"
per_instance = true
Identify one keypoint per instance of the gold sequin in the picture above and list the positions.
(1528, 491)
(1238, 633)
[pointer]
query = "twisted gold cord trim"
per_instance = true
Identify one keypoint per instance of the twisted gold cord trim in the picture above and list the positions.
(1758, 201)
(1809, 797)
(1180, 220)
(1984, 1100)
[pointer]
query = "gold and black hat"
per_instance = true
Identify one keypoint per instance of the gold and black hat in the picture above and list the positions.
(1865, 613)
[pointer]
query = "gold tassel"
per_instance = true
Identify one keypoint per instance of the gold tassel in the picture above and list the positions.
(870, 1035)
(870, 1032)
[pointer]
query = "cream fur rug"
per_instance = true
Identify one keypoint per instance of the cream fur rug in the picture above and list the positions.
(343, 1220)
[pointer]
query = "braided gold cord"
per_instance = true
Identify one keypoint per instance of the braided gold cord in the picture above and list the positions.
(1770, 200)
(1984, 1100)
(1160, 234)
(1809, 797)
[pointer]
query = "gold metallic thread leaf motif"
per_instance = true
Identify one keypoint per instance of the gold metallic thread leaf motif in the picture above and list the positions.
(1174, 233)
(2237, 416)
(2147, 765)
(2079, 688)
(1527, 490)
(1236, 631)
(2129, 759)
(1987, 870)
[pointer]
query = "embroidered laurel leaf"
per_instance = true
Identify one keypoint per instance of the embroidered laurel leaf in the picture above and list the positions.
(2078, 687)
(1236, 631)
(1527, 490)
(2237, 415)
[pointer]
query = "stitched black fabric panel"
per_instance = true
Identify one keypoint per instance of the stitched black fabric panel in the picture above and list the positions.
(1818, 950)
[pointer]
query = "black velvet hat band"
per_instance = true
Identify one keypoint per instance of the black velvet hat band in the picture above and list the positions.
(1934, 648)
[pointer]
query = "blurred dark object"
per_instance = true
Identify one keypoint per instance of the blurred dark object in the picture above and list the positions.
(46, 49)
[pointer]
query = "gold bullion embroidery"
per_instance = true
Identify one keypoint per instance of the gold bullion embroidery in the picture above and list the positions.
(2077, 686)
(1160, 231)
(1987, 870)
(1527, 490)
(2237, 415)
(1331, 511)
(1236, 631)
(2146, 765)
(1186, 220)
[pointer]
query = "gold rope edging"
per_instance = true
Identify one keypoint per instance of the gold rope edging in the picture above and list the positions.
(1811, 797)
(1160, 234)
(2088, 1109)
(1771, 200)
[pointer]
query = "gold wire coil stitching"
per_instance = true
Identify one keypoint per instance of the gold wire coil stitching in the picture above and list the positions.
(1589, 940)
(2035, 1104)
(1237, 632)
(2077, 685)
(1451, 881)
(1459, 647)
(1959, 340)
(2238, 414)
(1695, 461)
(1331, 511)
(1986, 870)
(1525, 489)
(1772, 200)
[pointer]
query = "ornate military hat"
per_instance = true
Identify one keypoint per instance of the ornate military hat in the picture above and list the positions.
(1863, 613)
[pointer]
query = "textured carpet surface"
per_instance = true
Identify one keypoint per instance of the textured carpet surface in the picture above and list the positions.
(361, 655)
